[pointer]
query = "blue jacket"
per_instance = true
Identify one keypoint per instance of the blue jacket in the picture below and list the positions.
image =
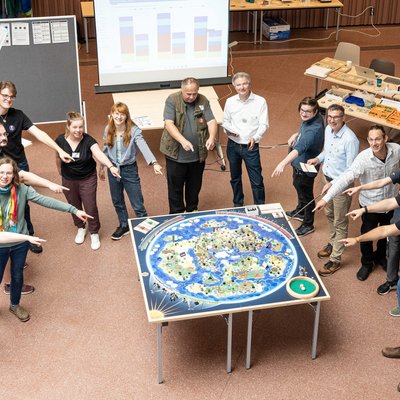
(310, 140)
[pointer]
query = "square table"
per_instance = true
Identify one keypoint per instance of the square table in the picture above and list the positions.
(220, 262)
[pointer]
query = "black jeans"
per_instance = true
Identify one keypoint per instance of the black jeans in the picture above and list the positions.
(25, 167)
(369, 222)
(184, 183)
(304, 186)
(392, 274)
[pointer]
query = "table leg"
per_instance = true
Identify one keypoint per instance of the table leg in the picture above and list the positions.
(315, 333)
(337, 23)
(249, 335)
(248, 22)
(229, 346)
(261, 25)
(255, 15)
(327, 19)
(85, 27)
(159, 352)
(316, 88)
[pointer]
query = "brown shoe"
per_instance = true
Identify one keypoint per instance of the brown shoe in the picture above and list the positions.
(20, 313)
(325, 252)
(391, 352)
(329, 268)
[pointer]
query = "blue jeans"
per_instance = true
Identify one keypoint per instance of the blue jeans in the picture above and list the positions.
(25, 167)
(392, 273)
(17, 254)
(236, 154)
(129, 181)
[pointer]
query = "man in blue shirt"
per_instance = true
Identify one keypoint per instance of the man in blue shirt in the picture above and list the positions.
(305, 144)
(340, 149)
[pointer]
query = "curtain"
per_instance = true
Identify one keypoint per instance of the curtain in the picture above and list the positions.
(386, 12)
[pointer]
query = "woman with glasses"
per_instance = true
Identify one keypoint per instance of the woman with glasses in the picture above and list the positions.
(122, 138)
(13, 197)
(15, 121)
(307, 143)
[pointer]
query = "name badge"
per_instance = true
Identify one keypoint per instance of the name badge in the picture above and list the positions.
(75, 155)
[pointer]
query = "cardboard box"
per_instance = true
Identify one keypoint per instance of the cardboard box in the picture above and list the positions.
(276, 28)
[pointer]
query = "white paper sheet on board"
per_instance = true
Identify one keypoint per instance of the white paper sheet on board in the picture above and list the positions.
(20, 34)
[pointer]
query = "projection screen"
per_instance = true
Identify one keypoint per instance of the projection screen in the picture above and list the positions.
(152, 44)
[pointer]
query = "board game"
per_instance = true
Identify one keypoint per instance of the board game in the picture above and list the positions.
(216, 262)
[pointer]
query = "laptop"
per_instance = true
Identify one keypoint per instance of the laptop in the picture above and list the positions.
(365, 72)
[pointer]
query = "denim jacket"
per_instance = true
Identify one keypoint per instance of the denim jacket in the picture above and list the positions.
(128, 154)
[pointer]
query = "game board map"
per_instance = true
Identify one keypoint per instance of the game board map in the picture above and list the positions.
(216, 262)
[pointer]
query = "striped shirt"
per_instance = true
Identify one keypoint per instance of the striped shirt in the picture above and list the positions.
(367, 168)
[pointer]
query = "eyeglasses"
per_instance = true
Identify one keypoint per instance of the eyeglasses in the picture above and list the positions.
(335, 116)
(7, 97)
(306, 111)
(6, 173)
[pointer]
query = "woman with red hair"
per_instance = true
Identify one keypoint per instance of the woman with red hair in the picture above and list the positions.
(121, 139)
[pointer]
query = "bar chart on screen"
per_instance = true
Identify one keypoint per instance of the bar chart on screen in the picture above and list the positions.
(144, 40)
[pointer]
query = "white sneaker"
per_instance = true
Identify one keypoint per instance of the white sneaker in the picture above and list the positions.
(80, 236)
(94, 237)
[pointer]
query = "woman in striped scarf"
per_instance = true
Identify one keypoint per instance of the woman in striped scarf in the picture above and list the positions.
(13, 198)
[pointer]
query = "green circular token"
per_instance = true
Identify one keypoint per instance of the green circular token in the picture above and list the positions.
(302, 287)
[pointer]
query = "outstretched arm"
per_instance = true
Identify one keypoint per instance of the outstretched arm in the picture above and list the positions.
(368, 186)
(100, 156)
(380, 232)
(35, 180)
(82, 215)
(48, 141)
(287, 160)
(11, 237)
(379, 207)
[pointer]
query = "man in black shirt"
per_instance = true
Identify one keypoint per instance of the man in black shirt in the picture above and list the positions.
(15, 121)
(30, 179)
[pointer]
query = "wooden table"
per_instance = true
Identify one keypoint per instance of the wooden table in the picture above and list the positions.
(355, 111)
(278, 5)
(87, 12)
(386, 90)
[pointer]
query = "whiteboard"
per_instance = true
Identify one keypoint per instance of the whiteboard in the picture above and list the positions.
(40, 55)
